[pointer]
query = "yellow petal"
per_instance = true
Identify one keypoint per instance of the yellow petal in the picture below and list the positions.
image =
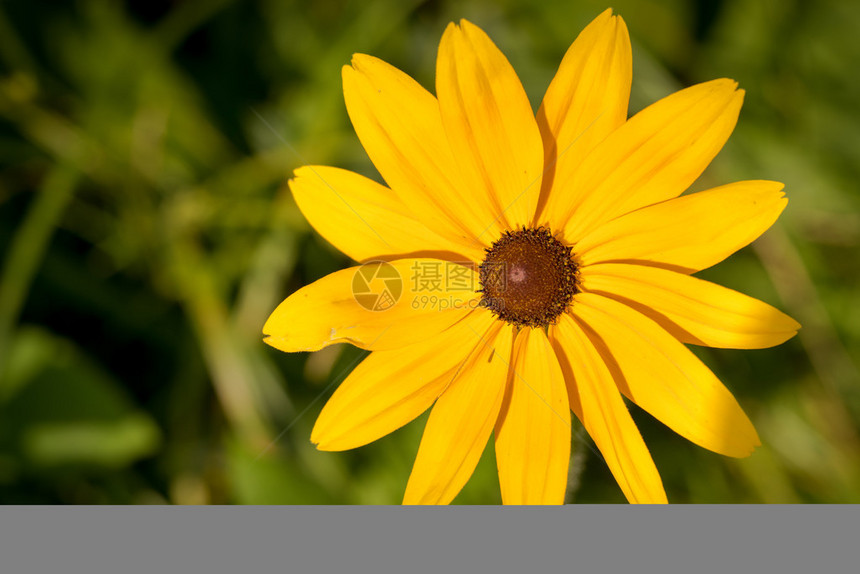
(461, 421)
(490, 124)
(596, 401)
(586, 101)
(654, 156)
(390, 388)
(693, 310)
(658, 373)
(367, 220)
(688, 233)
(533, 430)
(399, 125)
(353, 306)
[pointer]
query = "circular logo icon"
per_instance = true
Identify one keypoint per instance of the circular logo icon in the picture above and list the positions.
(377, 286)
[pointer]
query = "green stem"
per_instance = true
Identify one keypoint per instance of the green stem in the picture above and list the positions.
(27, 251)
(578, 455)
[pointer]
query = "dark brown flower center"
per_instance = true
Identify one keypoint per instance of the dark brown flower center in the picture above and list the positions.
(528, 277)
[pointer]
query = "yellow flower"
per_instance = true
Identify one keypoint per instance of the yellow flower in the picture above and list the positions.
(534, 266)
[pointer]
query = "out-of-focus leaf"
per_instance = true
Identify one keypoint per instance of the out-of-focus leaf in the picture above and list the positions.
(68, 411)
(112, 444)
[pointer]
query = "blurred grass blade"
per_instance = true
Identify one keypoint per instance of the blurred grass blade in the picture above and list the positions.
(28, 249)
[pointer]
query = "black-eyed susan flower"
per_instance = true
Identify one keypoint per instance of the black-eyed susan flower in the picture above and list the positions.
(520, 267)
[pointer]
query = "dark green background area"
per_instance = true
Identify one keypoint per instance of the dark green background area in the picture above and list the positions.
(146, 232)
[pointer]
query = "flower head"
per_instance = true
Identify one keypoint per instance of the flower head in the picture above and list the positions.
(520, 267)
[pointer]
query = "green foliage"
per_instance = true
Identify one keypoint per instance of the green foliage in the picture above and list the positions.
(146, 232)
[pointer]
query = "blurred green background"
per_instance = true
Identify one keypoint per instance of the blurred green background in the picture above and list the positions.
(146, 233)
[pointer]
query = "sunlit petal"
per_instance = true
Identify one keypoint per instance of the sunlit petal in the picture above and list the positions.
(663, 377)
(653, 157)
(390, 388)
(689, 233)
(533, 431)
(374, 306)
(399, 125)
(461, 421)
(491, 126)
(585, 102)
(595, 400)
(367, 220)
(693, 310)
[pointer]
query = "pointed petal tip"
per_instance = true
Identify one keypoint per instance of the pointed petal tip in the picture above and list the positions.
(359, 65)
(268, 330)
(466, 28)
(329, 444)
(360, 60)
(726, 86)
(737, 98)
(325, 443)
(299, 172)
(789, 325)
(604, 17)
(746, 453)
(315, 435)
(467, 24)
(287, 345)
(308, 172)
(790, 331)
(743, 448)
(347, 69)
(327, 447)
(768, 186)
(612, 23)
(351, 73)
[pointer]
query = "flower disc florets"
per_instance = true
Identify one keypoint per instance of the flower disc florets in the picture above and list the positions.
(528, 277)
